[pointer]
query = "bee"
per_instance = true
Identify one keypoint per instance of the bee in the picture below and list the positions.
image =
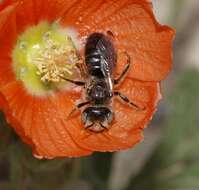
(100, 63)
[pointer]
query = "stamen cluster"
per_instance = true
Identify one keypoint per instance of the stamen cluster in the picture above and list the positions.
(54, 61)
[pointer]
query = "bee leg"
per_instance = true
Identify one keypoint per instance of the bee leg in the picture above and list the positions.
(126, 100)
(78, 106)
(78, 83)
(89, 126)
(81, 66)
(87, 123)
(104, 126)
(126, 68)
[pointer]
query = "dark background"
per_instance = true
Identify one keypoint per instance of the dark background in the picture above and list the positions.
(168, 158)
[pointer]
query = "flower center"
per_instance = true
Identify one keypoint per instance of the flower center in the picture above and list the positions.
(54, 60)
(43, 55)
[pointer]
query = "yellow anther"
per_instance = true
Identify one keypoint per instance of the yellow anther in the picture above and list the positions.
(43, 55)
(54, 60)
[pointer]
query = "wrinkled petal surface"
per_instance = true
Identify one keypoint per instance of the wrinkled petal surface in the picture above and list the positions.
(42, 122)
(125, 132)
(7, 40)
(133, 29)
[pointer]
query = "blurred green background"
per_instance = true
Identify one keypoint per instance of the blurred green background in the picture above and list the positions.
(168, 158)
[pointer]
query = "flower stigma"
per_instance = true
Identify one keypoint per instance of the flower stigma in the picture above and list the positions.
(43, 55)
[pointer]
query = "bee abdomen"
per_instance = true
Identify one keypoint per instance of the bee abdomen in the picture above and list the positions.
(93, 57)
(93, 62)
(100, 55)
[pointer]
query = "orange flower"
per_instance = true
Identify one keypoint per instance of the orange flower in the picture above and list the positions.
(38, 111)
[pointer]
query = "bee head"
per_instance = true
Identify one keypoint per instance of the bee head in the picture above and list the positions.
(97, 119)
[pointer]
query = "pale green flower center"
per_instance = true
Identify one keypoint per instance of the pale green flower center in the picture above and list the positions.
(43, 55)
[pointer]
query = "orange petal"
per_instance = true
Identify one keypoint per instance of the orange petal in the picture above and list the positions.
(135, 31)
(5, 3)
(127, 127)
(3, 102)
(7, 30)
(44, 123)
(31, 12)
(51, 10)
(7, 41)
(12, 121)
(40, 121)
(6, 73)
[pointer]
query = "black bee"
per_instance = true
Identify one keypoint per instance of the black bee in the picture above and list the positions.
(100, 64)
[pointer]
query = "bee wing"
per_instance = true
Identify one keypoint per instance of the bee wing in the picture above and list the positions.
(107, 61)
(108, 75)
